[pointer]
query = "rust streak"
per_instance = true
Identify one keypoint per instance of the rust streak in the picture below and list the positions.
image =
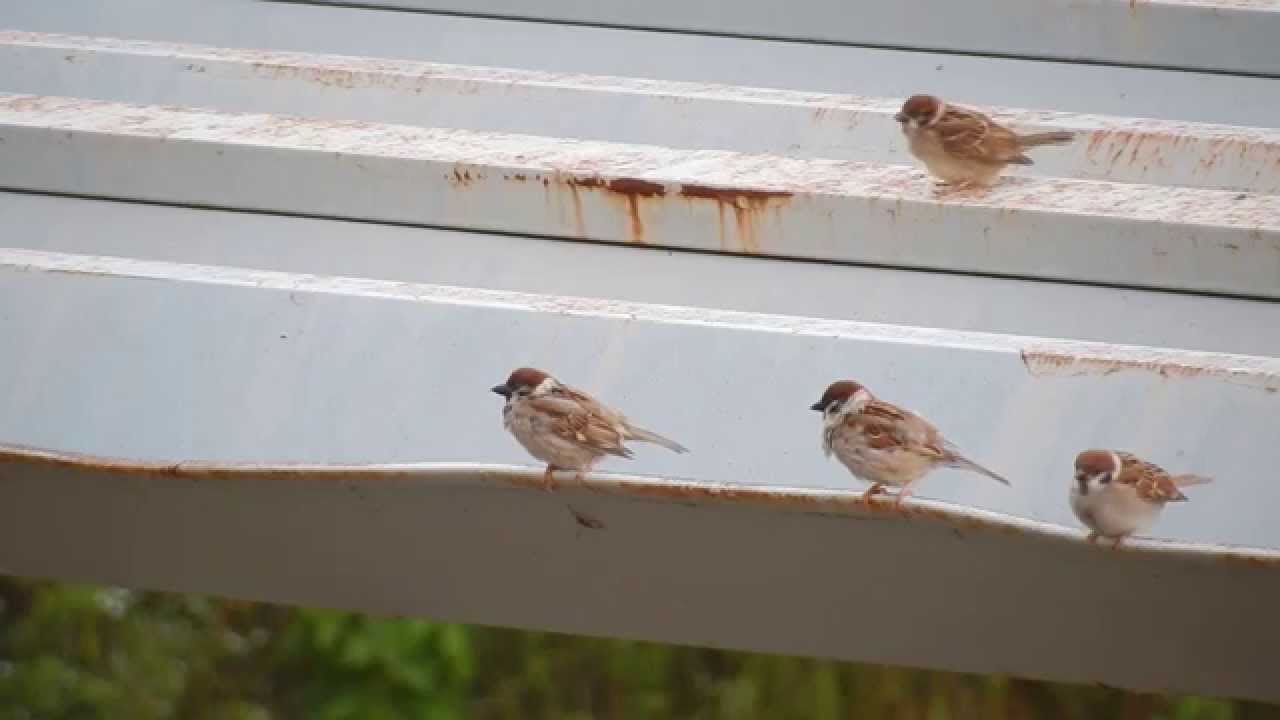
(631, 191)
(746, 204)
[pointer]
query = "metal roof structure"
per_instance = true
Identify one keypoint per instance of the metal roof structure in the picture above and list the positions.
(259, 270)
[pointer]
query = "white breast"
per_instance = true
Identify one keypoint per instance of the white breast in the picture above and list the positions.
(1114, 510)
(532, 430)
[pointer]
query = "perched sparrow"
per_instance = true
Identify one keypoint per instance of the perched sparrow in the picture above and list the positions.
(965, 147)
(882, 443)
(566, 428)
(1117, 494)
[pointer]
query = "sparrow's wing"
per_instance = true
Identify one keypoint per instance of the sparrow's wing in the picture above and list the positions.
(970, 134)
(1150, 481)
(887, 426)
(578, 418)
(908, 431)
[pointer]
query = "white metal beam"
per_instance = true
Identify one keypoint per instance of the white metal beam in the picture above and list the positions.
(1224, 35)
(1069, 86)
(229, 364)
(932, 585)
(631, 110)
(753, 284)
(1178, 238)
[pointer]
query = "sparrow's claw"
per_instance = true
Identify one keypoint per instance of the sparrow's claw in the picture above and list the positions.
(875, 489)
(1093, 537)
(548, 478)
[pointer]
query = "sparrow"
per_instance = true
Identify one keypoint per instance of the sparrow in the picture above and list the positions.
(882, 443)
(1116, 494)
(964, 147)
(564, 427)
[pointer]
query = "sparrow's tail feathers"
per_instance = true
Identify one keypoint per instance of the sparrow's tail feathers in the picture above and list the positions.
(652, 437)
(1188, 479)
(1056, 137)
(964, 463)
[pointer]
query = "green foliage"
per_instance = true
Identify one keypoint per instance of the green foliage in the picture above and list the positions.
(70, 652)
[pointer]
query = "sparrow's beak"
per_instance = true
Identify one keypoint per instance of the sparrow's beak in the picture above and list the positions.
(900, 118)
(816, 407)
(502, 390)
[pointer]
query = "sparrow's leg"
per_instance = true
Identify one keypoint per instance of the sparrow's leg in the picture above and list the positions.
(1093, 537)
(903, 494)
(548, 480)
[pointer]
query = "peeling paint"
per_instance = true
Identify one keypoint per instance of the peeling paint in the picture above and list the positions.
(1056, 364)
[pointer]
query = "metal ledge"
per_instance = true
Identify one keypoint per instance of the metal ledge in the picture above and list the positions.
(268, 365)
(1175, 238)
(1235, 36)
(676, 114)
(931, 585)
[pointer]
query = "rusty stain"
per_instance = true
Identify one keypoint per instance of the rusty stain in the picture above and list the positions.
(579, 223)
(637, 187)
(631, 191)
(746, 205)
(462, 177)
(586, 182)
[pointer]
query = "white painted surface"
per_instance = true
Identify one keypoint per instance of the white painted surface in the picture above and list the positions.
(225, 364)
(1073, 87)
(593, 107)
(641, 274)
(1152, 236)
(1224, 35)
(940, 587)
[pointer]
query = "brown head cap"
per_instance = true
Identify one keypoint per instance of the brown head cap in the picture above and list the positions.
(921, 108)
(520, 378)
(838, 391)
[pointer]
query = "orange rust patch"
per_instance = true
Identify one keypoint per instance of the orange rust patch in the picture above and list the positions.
(634, 186)
(586, 182)
(630, 190)
(461, 178)
(746, 205)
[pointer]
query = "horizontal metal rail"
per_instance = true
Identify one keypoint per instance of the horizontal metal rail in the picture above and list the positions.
(658, 559)
(556, 48)
(1236, 36)
(709, 280)
(1174, 238)
(676, 114)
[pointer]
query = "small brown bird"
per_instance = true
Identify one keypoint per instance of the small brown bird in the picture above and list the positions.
(564, 427)
(964, 147)
(1116, 494)
(882, 443)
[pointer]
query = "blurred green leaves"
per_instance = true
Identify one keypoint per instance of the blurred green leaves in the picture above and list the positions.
(71, 652)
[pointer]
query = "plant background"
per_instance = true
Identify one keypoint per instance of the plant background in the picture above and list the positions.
(74, 651)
